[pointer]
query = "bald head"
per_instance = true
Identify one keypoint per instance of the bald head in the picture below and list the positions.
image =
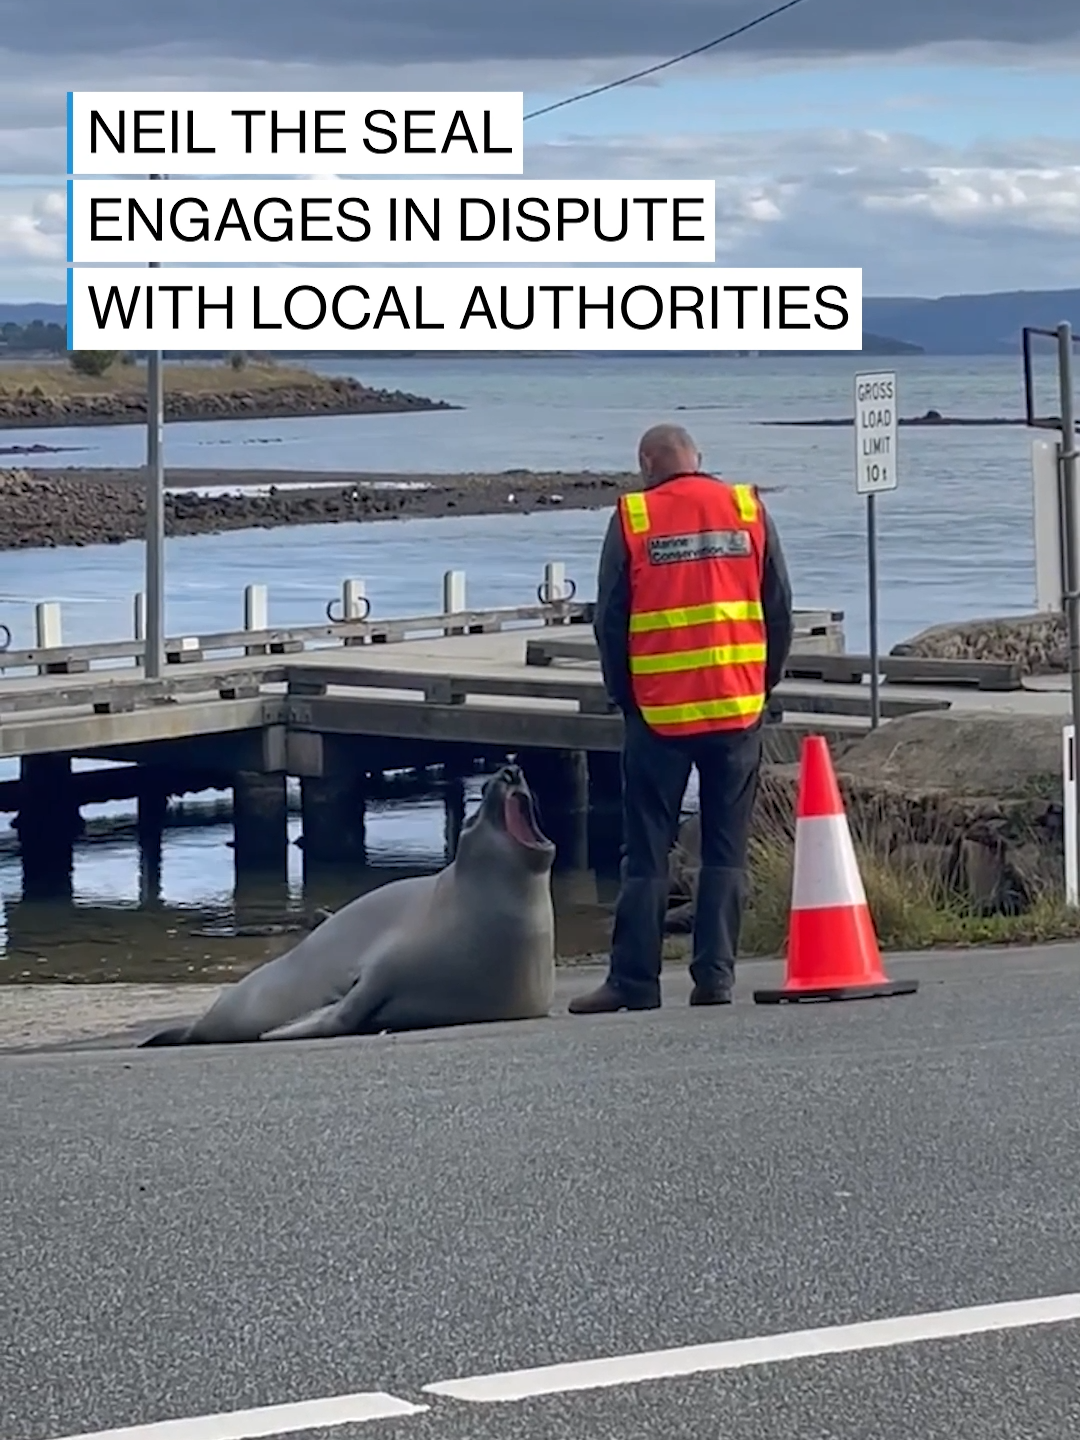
(667, 450)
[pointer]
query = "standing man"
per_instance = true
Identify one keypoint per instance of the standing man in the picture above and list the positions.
(694, 624)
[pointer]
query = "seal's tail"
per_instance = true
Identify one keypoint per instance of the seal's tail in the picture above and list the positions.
(177, 1035)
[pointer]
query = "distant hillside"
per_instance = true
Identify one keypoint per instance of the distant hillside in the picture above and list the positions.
(32, 317)
(972, 324)
(874, 344)
(12, 314)
(951, 325)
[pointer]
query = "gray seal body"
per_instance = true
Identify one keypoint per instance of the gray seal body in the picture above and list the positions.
(473, 943)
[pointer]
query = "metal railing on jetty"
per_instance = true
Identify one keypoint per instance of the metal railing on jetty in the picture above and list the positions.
(352, 625)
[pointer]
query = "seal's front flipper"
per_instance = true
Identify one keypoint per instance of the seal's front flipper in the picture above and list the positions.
(316, 1026)
(177, 1035)
(353, 1014)
(358, 1010)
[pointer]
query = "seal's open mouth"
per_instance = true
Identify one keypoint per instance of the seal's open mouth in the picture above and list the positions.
(519, 816)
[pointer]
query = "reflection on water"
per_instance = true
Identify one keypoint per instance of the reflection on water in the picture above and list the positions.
(175, 912)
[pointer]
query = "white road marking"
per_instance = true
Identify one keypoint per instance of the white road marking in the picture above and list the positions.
(513, 1385)
(268, 1420)
(764, 1350)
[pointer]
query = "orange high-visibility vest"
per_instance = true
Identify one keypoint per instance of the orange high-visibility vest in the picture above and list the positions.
(697, 629)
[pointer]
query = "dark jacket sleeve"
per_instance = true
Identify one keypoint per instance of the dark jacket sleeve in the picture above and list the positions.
(777, 604)
(611, 621)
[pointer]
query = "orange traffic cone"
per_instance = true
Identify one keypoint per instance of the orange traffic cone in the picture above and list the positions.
(832, 950)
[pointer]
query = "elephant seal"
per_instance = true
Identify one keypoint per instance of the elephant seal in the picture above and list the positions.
(475, 942)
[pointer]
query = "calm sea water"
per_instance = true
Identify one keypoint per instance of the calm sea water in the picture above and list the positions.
(955, 541)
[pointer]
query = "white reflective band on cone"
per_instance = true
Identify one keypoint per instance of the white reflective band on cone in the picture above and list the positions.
(826, 870)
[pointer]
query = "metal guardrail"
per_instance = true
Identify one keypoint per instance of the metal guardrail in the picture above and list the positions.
(348, 622)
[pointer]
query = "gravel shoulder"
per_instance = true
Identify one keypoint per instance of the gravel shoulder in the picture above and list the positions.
(35, 1015)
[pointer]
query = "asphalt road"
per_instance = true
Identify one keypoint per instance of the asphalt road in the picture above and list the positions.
(192, 1233)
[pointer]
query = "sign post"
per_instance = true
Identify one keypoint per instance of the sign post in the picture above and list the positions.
(154, 584)
(875, 471)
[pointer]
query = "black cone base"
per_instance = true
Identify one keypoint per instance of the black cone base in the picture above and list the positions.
(836, 992)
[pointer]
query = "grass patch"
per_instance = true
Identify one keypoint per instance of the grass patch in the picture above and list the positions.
(911, 907)
(58, 379)
(916, 903)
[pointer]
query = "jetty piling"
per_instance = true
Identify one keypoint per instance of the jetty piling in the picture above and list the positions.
(260, 813)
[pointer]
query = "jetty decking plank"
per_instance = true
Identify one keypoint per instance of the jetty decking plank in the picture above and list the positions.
(83, 734)
(588, 692)
(1002, 675)
(836, 669)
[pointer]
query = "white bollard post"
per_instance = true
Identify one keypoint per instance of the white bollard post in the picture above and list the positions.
(453, 592)
(138, 616)
(256, 608)
(553, 589)
(47, 625)
(354, 601)
(256, 615)
(47, 630)
(355, 605)
(554, 581)
(453, 599)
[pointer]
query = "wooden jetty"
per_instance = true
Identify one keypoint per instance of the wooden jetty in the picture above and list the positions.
(339, 704)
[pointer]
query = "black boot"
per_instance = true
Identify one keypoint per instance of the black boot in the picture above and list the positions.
(606, 1000)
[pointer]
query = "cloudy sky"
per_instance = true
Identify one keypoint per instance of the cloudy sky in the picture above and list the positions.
(936, 143)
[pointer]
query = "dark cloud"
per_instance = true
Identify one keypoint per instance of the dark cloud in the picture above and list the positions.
(412, 31)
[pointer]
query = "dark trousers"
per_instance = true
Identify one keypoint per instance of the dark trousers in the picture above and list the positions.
(655, 773)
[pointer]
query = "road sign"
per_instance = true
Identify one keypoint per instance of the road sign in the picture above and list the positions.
(875, 472)
(875, 433)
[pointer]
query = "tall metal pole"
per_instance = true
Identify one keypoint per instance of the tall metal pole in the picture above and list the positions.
(154, 659)
(872, 617)
(1070, 510)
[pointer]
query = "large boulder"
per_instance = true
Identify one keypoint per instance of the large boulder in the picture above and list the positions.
(973, 799)
(1039, 643)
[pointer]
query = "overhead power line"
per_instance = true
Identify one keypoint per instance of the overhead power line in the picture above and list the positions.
(666, 64)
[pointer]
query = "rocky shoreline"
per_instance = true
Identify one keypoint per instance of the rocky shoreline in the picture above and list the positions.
(931, 418)
(46, 508)
(324, 395)
(1038, 642)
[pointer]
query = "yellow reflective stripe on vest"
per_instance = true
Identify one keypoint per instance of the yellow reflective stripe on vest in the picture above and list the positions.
(747, 504)
(637, 511)
(675, 619)
(713, 655)
(703, 710)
